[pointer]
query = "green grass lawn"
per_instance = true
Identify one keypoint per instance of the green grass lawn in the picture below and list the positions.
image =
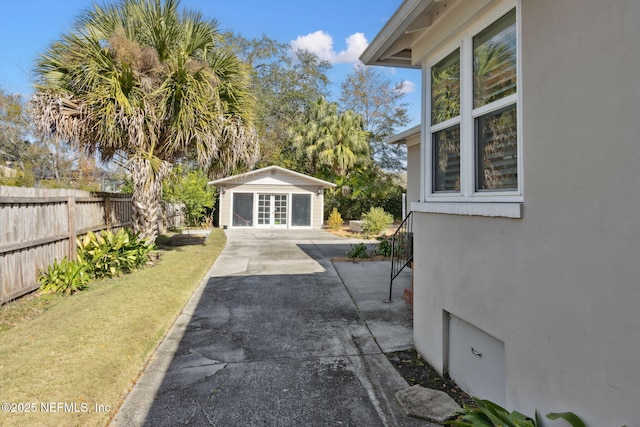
(88, 349)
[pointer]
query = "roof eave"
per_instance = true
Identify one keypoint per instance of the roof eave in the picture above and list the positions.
(241, 176)
(392, 45)
(401, 138)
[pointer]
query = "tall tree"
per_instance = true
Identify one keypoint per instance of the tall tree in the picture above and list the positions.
(13, 128)
(145, 80)
(25, 159)
(369, 93)
(287, 84)
(333, 143)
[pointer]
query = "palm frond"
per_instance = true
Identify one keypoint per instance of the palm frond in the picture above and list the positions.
(143, 79)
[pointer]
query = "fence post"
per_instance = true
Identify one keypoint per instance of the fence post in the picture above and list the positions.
(71, 206)
(19, 272)
(107, 212)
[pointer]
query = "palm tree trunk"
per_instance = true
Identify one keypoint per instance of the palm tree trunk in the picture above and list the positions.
(147, 193)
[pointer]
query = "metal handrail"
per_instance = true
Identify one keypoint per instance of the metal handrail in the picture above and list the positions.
(401, 248)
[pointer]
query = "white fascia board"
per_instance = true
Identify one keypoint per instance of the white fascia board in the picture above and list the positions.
(244, 176)
(401, 138)
(393, 30)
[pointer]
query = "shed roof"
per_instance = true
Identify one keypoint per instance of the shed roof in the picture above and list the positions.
(272, 170)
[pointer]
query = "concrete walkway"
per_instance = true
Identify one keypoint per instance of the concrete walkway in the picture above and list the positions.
(278, 335)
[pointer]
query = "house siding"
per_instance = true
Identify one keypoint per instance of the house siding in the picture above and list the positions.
(317, 201)
(560, 286)
(413, 164)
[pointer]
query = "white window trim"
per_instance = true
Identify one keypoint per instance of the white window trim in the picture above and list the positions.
(490, 209)
(503, 203)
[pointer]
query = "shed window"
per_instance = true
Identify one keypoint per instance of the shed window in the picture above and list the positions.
(242, 210)
(301, 210)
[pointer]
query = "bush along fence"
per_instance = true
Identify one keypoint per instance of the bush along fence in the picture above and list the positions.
(39, 226)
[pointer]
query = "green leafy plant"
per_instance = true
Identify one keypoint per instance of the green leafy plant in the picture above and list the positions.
(335, 220)
(64, 276)
(108, 254)
(490, 414)
(358, 250)
(569, 417)
(191, 189)
(383, 247)
(376, 221)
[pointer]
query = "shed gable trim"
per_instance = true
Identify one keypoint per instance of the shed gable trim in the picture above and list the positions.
(272, 174)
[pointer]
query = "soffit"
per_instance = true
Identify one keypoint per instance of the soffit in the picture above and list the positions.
(393, 46)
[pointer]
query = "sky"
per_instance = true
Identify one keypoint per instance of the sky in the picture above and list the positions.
(335, 30)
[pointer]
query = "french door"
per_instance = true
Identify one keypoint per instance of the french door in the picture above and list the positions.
(272, 210)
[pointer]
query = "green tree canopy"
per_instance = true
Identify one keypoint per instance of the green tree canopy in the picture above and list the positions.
(145, 80)
(13, 128)
(190, 188)
(374, 97)
(286, 84)
(30, 161)
(330, 142)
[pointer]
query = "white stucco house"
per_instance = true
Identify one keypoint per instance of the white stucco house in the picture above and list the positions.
(526, 198)
(271, 197)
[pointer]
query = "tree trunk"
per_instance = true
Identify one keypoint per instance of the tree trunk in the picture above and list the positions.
(147, 193)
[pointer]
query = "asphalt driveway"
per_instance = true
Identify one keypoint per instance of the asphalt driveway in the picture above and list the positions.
(278, 335)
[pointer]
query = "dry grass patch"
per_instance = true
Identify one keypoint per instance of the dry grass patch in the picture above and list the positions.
(88, 349)
(24, 309)
(345, 231)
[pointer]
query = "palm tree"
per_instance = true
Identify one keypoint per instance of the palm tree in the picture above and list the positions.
(332, 142)
(143, 80)
(344, 143)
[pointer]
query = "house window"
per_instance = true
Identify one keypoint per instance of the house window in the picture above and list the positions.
(445, 123)
(494, 105)
(474, 146)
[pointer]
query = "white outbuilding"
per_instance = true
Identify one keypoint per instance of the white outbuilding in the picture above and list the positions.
(271, 197)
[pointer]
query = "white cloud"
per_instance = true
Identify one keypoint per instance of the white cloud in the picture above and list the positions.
(408, 86)
(321, 44)
(356, 44)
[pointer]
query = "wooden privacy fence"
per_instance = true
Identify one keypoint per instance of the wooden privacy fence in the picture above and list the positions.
(38, 226)
(171, 216)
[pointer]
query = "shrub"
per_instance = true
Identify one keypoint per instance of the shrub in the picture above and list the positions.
(207, 221)
(64, 276)
(99, 255)
(109, 254)
(376, 221)
(335, 220)
(358, 251)
(384, 247)
(363, 189)
(191, 189)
